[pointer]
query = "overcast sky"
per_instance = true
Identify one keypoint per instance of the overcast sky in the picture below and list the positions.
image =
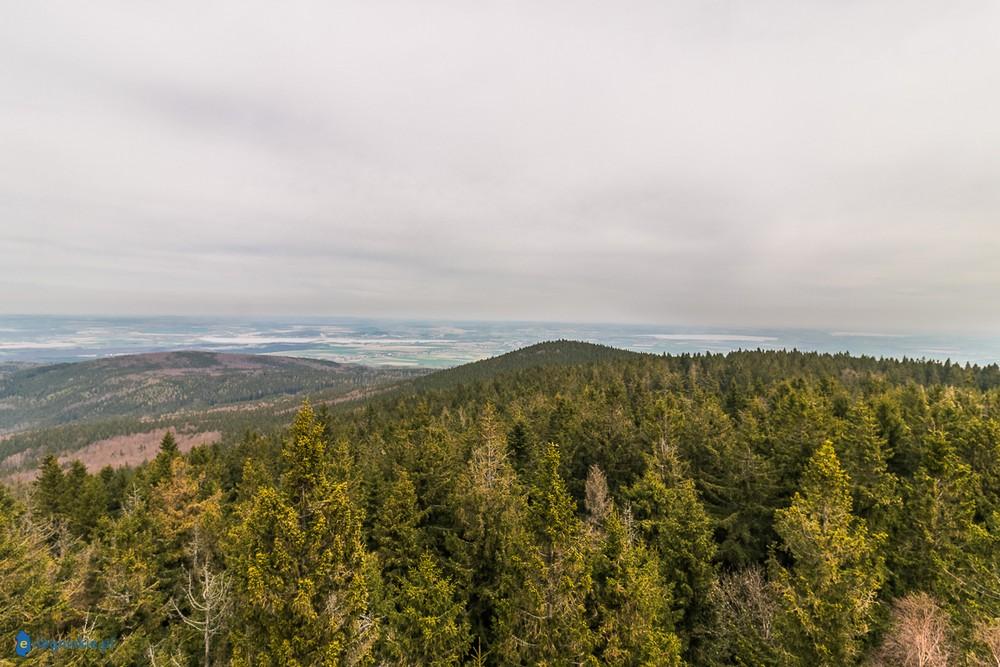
(815, 164)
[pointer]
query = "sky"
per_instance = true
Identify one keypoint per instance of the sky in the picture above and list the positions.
(808, 164)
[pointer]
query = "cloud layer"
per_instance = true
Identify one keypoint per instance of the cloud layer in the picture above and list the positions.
(707, 162)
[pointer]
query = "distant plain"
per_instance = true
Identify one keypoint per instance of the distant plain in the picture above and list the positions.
(436, 344)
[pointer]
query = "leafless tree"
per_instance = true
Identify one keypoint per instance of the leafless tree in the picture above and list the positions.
(920, 635)
(987, 634)
(153, 655)
(208, 598)
(597, 501)
(746, 603)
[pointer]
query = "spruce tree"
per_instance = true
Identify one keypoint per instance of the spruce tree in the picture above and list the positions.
(519, 443)
(942, 548)
(672, 520)
(543, 621)
(396, 532)
(299, 560)
(161, 465)
(864, 454)
(797, 421)
(185, 518)
(735, 484)
(49, 497)
(491, 543)
(630, 605)
(426, 624)
(86, 498)
(132, 603)
(168, 445)
(828, 570)
(30, 595)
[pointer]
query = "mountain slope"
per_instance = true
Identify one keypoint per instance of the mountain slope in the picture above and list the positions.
(549, 353)
(146, 385)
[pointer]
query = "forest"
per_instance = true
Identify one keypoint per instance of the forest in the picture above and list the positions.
(145, 386)
(565, 504)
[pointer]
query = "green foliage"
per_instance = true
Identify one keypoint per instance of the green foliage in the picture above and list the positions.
(91, 499)
(129, 595)
(50, 494)
(828, 587)
(159, 383)
(168, 446)
(673, 522)
(30, 590)
(565, 504)
(426, 623)
(863, 451)
(298, 557)
(543, 619)
(630, 603)
(396, 532)
(491, 539)
(944, 548)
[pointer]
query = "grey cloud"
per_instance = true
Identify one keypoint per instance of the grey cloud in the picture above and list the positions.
(807, 164)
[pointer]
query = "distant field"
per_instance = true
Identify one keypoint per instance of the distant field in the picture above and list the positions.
(437, 344)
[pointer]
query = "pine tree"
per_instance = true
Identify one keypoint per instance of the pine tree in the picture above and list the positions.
(298, 558)
(396, 532)
(833, 570)
(49, 495)
(132, 603)
(941, 548)
(86, 500)
(672, 520)
(630, 605)
(30, 594)
(491, 542)
(545, 621)
(426, 624)
(863, 453)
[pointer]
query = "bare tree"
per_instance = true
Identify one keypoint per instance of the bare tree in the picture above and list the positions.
(746, 603)
(153, 655)
(208, 597)
(920, 635)
(597, 501)
(988, 635)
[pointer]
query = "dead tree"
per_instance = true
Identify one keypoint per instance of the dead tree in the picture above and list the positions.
(208, 597)
(988, 635)
(920, 635)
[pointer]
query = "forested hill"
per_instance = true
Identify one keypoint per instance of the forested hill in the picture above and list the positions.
(551, 353)
(563, 504)
(147, 385)
(722, 369)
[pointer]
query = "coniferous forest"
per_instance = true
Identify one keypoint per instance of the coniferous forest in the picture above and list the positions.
(566, 504)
